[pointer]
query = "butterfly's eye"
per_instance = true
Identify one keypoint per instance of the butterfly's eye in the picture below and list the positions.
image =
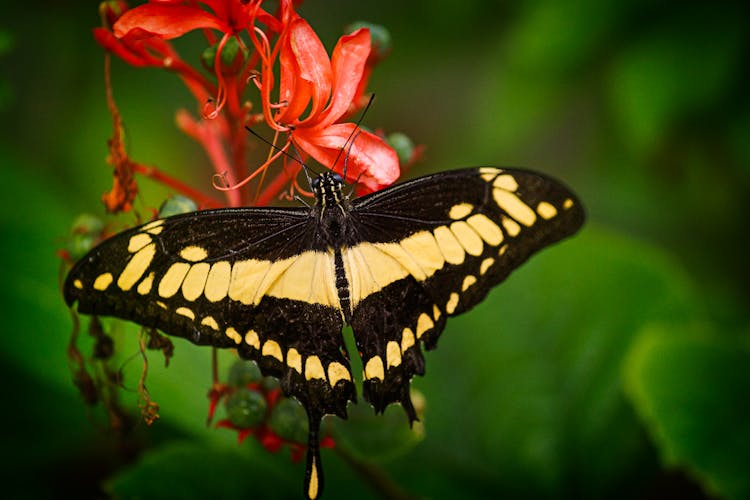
(337, 178)
(316, 184)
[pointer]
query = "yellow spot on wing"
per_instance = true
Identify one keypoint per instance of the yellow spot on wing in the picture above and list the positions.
(506, 182)
(153, 227)
(184, 311)
(273, 349)
(435, 312)
(468, 238)
(514, 207)
(78, 284)
(486, 264)
(424, 323)
(136, 267)
(308, 277)
(488, 173)
(392, 354)
(336, 372)
(138, 241)
(404, 262)
(314, 368)
(407, 339)
(460, 210)
(172, 279)
(567, 204)
(103, 281)
(192, 286)
(234, 335)
(486, 228)
(503, 249)
(546, 210)
(210, 322)
(423, 248)
(453, 252)
(144, 286)
(246, 278)
(468, 281)
(294, 360)
(193, 253)
(452, 303)
(217, 283)
(511, 226)
(251, 339)
(374, 369)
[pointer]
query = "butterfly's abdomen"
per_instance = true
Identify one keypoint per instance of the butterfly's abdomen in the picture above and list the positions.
(342, 287)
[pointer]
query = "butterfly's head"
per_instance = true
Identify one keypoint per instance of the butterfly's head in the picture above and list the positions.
(327, 188)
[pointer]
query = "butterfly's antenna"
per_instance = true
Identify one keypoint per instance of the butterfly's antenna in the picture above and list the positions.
(356, 130)
(274, 146)
(349, 150)
(305, 168)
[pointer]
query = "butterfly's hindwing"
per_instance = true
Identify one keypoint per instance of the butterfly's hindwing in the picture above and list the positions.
(433, 248)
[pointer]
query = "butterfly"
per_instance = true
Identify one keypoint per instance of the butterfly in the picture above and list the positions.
(279, 284)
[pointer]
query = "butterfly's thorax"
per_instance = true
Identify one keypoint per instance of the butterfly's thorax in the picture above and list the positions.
(331, 210)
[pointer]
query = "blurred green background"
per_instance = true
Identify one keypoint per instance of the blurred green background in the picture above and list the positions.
(615, 365)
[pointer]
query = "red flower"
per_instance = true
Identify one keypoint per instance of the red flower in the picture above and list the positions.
(329, 89)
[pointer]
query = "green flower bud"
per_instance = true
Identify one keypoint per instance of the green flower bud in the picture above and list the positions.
(403, 145)
(380, 37)
(84, 235)
(244, 372)
(289, 421)
(246, 409)
(176, 205)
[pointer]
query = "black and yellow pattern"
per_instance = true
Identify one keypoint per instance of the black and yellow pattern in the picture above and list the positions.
(279, 284)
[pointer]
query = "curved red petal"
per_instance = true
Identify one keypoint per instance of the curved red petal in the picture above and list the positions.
(313, 66)
(349, 58)
(370, 161)
(106, 39)
(165, 20)
(293, 90)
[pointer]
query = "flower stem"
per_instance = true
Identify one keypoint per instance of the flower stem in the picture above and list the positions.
(203, 200)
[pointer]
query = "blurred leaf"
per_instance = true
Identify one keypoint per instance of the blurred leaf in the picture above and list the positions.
(691, 389)
(377, 438)
(189, 470)
(559, 37)
(525, 390)
(674, 71)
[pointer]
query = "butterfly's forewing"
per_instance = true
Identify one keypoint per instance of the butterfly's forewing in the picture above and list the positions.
(433, 248)
(254, 279)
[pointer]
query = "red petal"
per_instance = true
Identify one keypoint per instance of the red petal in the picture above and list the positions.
(165, 20)
(349, 58)
(292, 89)
(370, 160)
(313, 68)
(106, 39)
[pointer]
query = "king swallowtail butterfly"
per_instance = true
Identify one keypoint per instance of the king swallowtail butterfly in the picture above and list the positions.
(278, 284)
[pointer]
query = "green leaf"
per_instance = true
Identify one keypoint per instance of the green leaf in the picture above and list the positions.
(378, 438)
(679, 69)
(190, 470)
(691, 389)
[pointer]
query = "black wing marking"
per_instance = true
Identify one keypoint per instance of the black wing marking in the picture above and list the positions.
(434, 247)
(253, 279)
